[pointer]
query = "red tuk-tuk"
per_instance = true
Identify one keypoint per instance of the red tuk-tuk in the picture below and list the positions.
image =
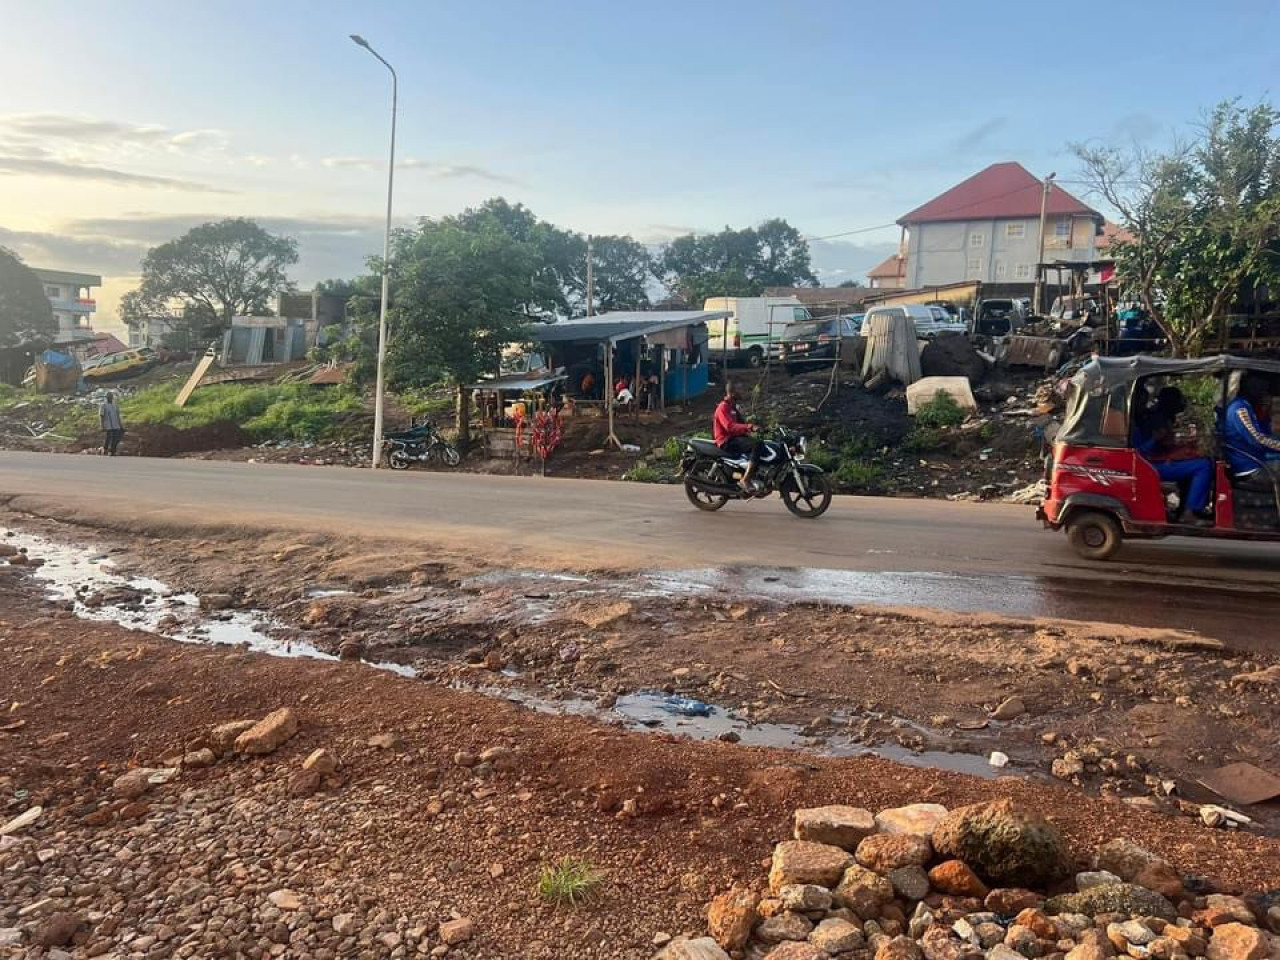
(1102, 490)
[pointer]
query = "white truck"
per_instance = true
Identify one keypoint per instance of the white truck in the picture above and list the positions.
(753, 333)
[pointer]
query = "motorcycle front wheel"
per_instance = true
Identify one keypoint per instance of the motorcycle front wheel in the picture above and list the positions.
(449, 455)
(811, 504)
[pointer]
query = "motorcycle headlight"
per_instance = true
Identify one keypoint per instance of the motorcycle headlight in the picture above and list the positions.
(803, 446)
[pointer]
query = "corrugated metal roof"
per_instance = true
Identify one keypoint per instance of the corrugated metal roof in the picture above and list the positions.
(520, 383)
(68, 276)
(622, 325)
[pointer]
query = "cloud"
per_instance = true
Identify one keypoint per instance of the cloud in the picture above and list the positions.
(976, 137)
(83, 130)
(25, 163)
(430, 168)
(350, 163)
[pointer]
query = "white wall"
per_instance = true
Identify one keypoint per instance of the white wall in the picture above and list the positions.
(993, 251)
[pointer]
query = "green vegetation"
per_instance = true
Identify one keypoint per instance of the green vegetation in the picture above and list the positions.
(941, 411)
(644, 473)
(568, 882)
(922, 440)
(820, 455)
(859, 474)
(426, 403)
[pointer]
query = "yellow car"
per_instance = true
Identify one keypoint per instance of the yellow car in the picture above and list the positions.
(117, 366)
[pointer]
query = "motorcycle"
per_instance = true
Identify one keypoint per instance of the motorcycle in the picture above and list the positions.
(420, 444)
(712, 476)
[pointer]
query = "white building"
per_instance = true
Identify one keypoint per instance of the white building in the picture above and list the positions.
(71, 296)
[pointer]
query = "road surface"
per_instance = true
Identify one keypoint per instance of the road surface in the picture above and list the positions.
(970, 556)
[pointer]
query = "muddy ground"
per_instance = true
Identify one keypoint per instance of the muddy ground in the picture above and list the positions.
(1124, 712)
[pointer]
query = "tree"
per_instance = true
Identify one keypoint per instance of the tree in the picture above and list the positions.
(621, 268)
(850, 284)
(736, 263)
(1204, 219)
(26, 316)
(214, 272)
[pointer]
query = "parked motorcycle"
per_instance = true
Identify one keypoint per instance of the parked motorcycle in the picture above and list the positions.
(712, 476)
(420, 444)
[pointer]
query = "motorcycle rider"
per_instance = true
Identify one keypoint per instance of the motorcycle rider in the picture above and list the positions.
(735, 436)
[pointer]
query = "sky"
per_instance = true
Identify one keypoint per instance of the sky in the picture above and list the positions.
(124, 124)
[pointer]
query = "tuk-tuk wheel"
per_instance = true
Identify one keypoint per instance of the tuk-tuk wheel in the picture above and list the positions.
(1094, 535)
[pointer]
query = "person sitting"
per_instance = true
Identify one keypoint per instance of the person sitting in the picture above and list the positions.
(733, 434)
(1252, 451)
(625, 398)
(1156, 441)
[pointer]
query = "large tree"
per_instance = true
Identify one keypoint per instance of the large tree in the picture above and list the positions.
(26, 316)
(1203, 219)
(736, 263)
(214, 272)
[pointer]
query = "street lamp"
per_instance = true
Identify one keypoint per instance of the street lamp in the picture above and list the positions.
(386, 260)
(1039, 288)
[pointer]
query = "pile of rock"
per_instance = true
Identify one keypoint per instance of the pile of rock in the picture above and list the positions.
(990, 881)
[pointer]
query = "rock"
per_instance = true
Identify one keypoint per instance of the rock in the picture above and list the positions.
(269, 733)
(292, 552)
(222, 738)
(787, 925)
(10, 936)
(801, 861)
(704, 948)
(938, 944)
(1011, 709)
(955, 878)
(804, 897)
(1131, 931)
(1003, 843)
(454, 932)
(1126, 898)
(1067, 768)
(1010, 901)
(198, 759)
(899, 948)
(351, 648)
(1124, 858)
(386, 741)
(839, 826)
(285, 899)
(919, 819)
(24, 819)
(1022, 942)
(1235, 941)
(837, 936)
(910, 883)
(58, 929)
(1089, 879)
(863, 892)
(884, 852)
(796, 951)
(345, 924)
(304, 783)
(1001, 951)
(321, 761)
(136, 782)
(1162, 878)
(1235, 907)
(1037, 923)
(216, 601)
(1089, 951)
(732, 916)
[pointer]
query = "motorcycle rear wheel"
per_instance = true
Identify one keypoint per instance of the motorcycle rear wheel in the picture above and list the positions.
(812, 506)
(701, 498)
(398, 461)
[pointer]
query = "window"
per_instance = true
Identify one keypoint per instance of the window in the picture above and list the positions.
(975, 265)
(53, 293)
(977, 239)
(1015, 231)
(799, 314)
(1022, 271)
(1062, 227)
(1001, 269)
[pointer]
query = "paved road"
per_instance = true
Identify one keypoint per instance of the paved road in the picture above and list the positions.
(927, 552)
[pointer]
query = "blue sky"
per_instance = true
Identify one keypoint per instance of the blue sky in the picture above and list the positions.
(122, 124)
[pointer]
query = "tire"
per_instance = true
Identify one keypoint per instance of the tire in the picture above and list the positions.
(1094, 535)
(449, 455)
(755, 358)
(710, 502)
(816, 504)
(398, 461)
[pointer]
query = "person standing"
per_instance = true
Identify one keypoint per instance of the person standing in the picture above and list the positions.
(112, 425)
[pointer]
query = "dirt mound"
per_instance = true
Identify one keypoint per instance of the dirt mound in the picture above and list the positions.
(952, 356)
(162, 440)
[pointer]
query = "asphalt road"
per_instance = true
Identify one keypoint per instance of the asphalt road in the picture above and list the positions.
(970, 556)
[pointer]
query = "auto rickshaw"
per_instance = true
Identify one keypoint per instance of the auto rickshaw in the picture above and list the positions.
(1103, 491)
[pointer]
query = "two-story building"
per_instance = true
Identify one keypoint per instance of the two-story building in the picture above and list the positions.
(988, 228)
(71, 297)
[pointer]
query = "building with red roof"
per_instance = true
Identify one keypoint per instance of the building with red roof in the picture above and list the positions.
(890, 275)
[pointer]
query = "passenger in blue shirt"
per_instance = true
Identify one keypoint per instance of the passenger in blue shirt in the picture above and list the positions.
(1155, 440)
(1247, 430)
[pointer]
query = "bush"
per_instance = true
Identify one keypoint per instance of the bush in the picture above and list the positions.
(941, 411)
(922, 440)
(643, 473)
(569, 881)
(820, 455)
(859, 474)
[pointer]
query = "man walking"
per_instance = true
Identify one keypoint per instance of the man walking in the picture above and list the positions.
(112, 425)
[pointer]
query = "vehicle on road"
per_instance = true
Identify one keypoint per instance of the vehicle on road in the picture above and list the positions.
(712, 476)
(419, 444)
(816, 342)
(1103, 490)
(753, 332)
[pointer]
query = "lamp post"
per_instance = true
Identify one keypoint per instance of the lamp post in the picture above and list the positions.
(1038, 302)
(386, 261)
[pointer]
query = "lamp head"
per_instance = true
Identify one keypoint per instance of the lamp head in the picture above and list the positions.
(361, 41)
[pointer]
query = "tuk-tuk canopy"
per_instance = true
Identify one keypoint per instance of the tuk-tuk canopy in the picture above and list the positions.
(1098, 409)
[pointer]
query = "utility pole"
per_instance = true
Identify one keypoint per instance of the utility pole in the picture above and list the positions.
(591, 283)
(1037, 302)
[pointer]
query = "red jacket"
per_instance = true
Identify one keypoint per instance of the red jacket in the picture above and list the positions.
(729, 423)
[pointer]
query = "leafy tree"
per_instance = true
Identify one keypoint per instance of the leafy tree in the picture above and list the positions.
(214, 272)
(26, 316)
(850, 284)
(1204, 219)
(356, 340)
(621, 268)
(736, 263)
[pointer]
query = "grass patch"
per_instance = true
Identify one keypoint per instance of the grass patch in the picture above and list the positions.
(427, 403)
(859, 474)
(941, 411)
(922, 440)
(820, 455)
(568, 882)
(643, 473)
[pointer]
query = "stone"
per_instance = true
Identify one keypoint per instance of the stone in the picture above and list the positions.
(1088, 879)
(796, 951)
(839, 826)
(345, 924)
(954, 877)
(285, 899)
(304, 783)
(1126, 898)
(801, 861)
(1003, 843)
(899, 948)
(1237, 907)
(732, 916)
(938, 944)
(805, 897)
(682, 948)
(919, 819)
(1088, 951)
(1011, 709)
(1131, 931)
(24, 819)
(1023, 941)
(222, 738)
(199, 759)
(1001, 951)
(454, 932)
(321, 761)
(836, 936)
(910, 883)
(1162, 878)
(989, 935)
(131, 785)
(787, 925)
(216, 601)
(386, 741)
(58, 929)
(1067, 768)
(888, 851)
(1235, 941)
(1037, 923)
(863, 892)
(1192, 942)
(1124, 858)
(10, 936)
(268, 734)
(1009, 901)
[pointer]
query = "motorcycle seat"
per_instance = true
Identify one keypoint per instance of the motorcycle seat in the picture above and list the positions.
(706, 448)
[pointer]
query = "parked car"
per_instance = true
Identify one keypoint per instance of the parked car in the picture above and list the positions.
(118, 366)
(998, 317)
(754, 331)
(813, 342)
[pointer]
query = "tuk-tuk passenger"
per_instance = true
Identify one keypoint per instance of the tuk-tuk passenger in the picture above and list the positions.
(1247, 431)
(1155, 440)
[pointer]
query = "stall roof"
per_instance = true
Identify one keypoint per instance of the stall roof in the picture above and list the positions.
(622, 325)
(517, 383)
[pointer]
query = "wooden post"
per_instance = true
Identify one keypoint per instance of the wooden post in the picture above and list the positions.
(608, 391)
(662, 378)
